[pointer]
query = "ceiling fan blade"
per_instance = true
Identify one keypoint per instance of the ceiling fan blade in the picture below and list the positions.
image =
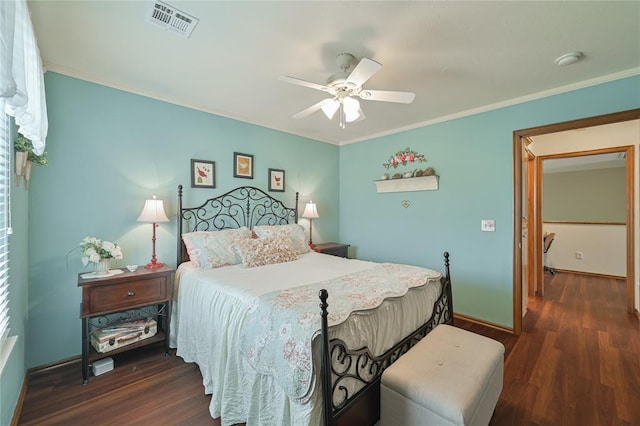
(387, 96)
(313, 108)
(293, 80)
(365, 69)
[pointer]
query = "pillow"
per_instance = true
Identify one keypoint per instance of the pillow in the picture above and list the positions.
(265, 251)
(208, 250)
(292, 231)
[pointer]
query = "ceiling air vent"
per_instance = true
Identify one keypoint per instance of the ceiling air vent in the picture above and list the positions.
(171, 19)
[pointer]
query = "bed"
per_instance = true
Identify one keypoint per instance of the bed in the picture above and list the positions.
(302, 341)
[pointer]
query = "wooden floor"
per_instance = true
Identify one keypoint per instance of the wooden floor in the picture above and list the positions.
(576, 363)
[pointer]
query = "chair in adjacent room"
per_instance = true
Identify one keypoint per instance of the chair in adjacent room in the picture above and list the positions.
(548, 239)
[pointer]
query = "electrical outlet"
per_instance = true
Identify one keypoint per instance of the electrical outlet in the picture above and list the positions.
(579, 255)
(487, 225)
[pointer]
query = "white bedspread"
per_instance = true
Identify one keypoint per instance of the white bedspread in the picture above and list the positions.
(210, 310)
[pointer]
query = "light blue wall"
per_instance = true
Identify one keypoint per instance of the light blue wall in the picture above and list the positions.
(14, 371)
(109, 151)
(473, 156)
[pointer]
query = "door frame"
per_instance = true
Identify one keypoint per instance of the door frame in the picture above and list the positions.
(519, 141)
(539, 223)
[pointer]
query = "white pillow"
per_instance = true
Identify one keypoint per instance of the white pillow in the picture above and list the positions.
(265, 251)
(208, 250)
(292, 231)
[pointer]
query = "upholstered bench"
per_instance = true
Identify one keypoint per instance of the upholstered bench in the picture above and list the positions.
(450, 377)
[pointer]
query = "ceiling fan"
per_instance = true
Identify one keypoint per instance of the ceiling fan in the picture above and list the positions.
(345, 86)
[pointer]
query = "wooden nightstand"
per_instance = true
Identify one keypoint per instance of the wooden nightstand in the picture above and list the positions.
(335, 249)
(131, 295)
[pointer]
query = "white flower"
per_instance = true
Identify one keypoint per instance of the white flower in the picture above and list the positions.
(112, 249)
(116, 252)
(95, 250)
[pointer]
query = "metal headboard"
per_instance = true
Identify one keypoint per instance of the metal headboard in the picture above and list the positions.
(244, 206)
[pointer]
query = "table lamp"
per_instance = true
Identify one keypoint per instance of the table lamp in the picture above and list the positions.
(153, 212)
(310, 212)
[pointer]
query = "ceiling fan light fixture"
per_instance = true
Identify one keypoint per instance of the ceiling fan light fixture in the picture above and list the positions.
(351, 109)
(330, 107)
(344, 87)
(350, 118)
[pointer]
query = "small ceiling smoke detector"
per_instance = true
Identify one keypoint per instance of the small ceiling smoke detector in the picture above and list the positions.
(569, 58)
(171, 19)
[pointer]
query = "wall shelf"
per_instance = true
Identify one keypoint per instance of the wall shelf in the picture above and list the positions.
(422, 183)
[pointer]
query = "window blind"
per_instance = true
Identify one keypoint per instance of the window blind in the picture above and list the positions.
(5, 223)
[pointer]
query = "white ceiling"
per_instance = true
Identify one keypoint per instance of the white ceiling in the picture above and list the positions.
(457, 57)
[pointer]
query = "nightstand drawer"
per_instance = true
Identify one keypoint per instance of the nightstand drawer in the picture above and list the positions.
(334, 249)
(340, 252)
(127, 295)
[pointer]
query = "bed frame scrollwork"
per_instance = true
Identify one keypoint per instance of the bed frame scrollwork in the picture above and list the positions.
(244, 206)
(340, 365)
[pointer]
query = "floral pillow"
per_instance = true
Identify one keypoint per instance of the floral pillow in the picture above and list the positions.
(265, 251)
(293, 231)
(208, 250)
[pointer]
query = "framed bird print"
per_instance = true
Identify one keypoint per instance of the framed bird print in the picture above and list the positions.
(243, 165)
(276, 180)
(203, 174)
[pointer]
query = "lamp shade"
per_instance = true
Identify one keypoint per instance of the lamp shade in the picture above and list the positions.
(310, 211)
(351, 109)
(330, 107)
(153, 212)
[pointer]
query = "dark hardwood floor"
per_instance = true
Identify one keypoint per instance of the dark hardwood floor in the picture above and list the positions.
(576, 363)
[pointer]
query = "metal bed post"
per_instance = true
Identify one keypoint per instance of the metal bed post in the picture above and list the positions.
(327, 406)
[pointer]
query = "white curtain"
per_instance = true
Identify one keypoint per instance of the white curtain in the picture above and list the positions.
(21, 73)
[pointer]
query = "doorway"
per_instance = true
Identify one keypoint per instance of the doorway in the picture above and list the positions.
(527, 209)
(582, 199)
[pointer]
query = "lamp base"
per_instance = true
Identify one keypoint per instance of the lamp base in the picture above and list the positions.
(312, 246)
(153, 265)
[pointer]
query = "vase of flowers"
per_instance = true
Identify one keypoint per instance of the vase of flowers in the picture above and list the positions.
(99, 253)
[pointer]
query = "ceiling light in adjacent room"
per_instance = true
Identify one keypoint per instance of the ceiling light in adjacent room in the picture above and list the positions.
(569, 58)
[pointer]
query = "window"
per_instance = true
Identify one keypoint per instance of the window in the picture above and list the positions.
(5, 223)
(21, 96)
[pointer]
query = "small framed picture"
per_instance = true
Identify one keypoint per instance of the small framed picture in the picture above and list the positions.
(203, 174)
(276, 180)
(242, 165)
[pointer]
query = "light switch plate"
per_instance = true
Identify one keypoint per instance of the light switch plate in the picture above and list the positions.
(488, 225)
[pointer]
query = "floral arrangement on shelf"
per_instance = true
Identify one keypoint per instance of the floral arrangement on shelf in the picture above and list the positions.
(95, 250)
(403, 158)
